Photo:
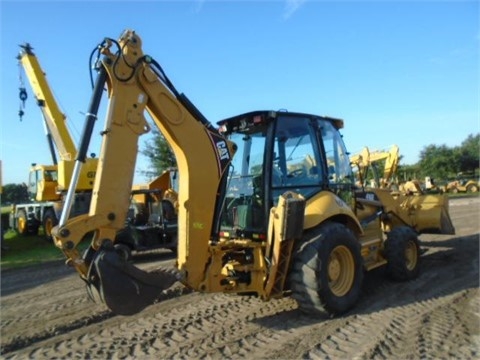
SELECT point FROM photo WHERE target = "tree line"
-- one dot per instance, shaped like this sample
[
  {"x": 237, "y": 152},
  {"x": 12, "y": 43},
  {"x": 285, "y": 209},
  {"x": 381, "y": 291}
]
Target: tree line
[{"x": 447, "y": 163}]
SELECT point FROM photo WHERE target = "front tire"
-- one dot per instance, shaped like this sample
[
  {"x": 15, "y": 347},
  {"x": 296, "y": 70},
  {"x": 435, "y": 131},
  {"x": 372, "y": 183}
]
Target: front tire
[
  {"x": 327, "y": 271},
  {"x": 402, "y": 251},
  {"x": 49, "y": 222},
  {"x": 22, "y": 222},
  {"x": 26, "y": 226}
]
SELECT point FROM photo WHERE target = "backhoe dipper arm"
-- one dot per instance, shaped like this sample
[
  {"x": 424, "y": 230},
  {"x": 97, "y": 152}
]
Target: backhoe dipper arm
[{"x": 136, "y": 83}]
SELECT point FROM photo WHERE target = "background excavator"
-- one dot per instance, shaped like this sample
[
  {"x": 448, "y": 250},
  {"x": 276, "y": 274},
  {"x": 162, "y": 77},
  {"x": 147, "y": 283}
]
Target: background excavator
[
  {"x": 376, "y": 169},
  {"x": 266, "y": 202}
]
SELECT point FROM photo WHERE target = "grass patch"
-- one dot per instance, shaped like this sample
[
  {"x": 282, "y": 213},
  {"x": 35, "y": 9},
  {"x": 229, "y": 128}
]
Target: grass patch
[
  {"x": 463, "y": 194},
  {"x": 6, "y": 209},
  {"x": 23, "y": 251}
]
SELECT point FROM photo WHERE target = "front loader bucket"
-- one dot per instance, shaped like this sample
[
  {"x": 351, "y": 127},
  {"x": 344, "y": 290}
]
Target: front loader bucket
[
  {"x": 427, "y": 214},
  {"x": 431, "y": 214},
  {"x": 124, "y": 288}
]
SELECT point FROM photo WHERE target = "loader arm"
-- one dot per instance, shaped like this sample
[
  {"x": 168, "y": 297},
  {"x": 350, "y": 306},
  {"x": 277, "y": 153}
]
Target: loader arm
[{"x": 135, "y": 83}]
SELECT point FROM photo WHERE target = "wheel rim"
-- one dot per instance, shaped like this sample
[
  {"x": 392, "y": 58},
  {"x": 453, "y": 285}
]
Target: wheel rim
[
  {"x": 411, "y": 255},
  {"x": 22, "y": 224},
  {"x": 341, "y": 270},
  {"x": 48, "y": 226}
]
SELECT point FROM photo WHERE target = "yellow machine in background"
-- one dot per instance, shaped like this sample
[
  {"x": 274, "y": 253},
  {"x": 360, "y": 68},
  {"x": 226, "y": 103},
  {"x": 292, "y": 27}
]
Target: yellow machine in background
[
  {"x": 56, "y": 127},
  {"x": 456, "y": 186},
  {"x": 266, "y": 202},
  {"x": 368, "y": 165},
  {"x": 152, "y": 217},
  {"x": 48, "y": 184}
]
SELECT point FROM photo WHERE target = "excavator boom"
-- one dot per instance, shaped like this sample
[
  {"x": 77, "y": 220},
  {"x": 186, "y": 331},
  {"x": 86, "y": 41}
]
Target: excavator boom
[{"x": 367, "y": 159}]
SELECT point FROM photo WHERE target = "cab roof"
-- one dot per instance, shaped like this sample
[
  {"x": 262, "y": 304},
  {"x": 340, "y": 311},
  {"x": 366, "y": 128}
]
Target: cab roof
[{"x": 337, "y": 123}]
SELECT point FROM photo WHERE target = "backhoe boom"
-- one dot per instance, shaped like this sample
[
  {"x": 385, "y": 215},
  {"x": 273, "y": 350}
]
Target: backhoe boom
[{"x": 198, "y": 150}]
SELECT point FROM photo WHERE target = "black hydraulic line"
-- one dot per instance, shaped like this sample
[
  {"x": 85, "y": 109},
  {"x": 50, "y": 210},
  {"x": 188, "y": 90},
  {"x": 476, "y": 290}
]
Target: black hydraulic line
[
  {"x": 195, "y": 112},
  {"x": 92, "y": 114}
]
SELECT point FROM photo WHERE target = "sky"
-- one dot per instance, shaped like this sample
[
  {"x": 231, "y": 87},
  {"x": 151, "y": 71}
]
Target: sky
[{"x": 397, "y": 72}]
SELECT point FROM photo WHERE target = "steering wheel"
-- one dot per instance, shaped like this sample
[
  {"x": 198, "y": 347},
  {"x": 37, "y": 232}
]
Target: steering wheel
[{"x": 296, "y": 173}]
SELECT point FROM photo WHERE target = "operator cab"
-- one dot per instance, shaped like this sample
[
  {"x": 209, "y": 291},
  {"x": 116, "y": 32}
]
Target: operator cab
[
  {"x": 279, "y": 151},
  {"x": 43, "y": 182}
]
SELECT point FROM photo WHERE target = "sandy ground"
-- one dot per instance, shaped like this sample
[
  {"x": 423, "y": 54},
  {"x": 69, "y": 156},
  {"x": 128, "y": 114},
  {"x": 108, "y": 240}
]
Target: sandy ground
[{"x": 45, "y": 314}]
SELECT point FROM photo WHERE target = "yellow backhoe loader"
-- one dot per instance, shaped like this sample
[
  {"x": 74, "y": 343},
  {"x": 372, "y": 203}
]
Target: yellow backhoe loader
[{"x": 266, "y": 200}]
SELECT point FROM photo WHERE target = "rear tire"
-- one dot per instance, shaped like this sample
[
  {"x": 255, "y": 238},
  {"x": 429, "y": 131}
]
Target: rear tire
[
  {"x": 402, "y": 251},
  {"x": 327, "y": 271},
  {"x": 22, "y": 221},
  {"x": 26, "y": 226},
  {"x": 49, "y": 221}
]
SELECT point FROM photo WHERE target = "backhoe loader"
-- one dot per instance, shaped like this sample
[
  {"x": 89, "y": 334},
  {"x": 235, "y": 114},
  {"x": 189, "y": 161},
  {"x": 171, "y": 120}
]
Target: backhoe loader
[{"x": 267, "y": 203}]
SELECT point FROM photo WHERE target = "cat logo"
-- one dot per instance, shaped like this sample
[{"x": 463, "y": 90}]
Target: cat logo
[{"x": 222, "y": 150}]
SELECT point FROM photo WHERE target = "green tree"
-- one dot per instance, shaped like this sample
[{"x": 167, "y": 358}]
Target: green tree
[
  {"x": 437, "y": 161},
  {"x": 468, "y": 154},
  {"x": 14, "y": 194},
  {"x": 406, "y": 172},
  {"x": 159, "y": 154}
]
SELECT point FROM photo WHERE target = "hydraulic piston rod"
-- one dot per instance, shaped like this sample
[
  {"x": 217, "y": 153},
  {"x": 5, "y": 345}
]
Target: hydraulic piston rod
[{"x": 90, "y": 119}]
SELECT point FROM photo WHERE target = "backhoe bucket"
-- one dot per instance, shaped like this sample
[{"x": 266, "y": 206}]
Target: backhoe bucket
[{"x": 124, "y": 288}]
